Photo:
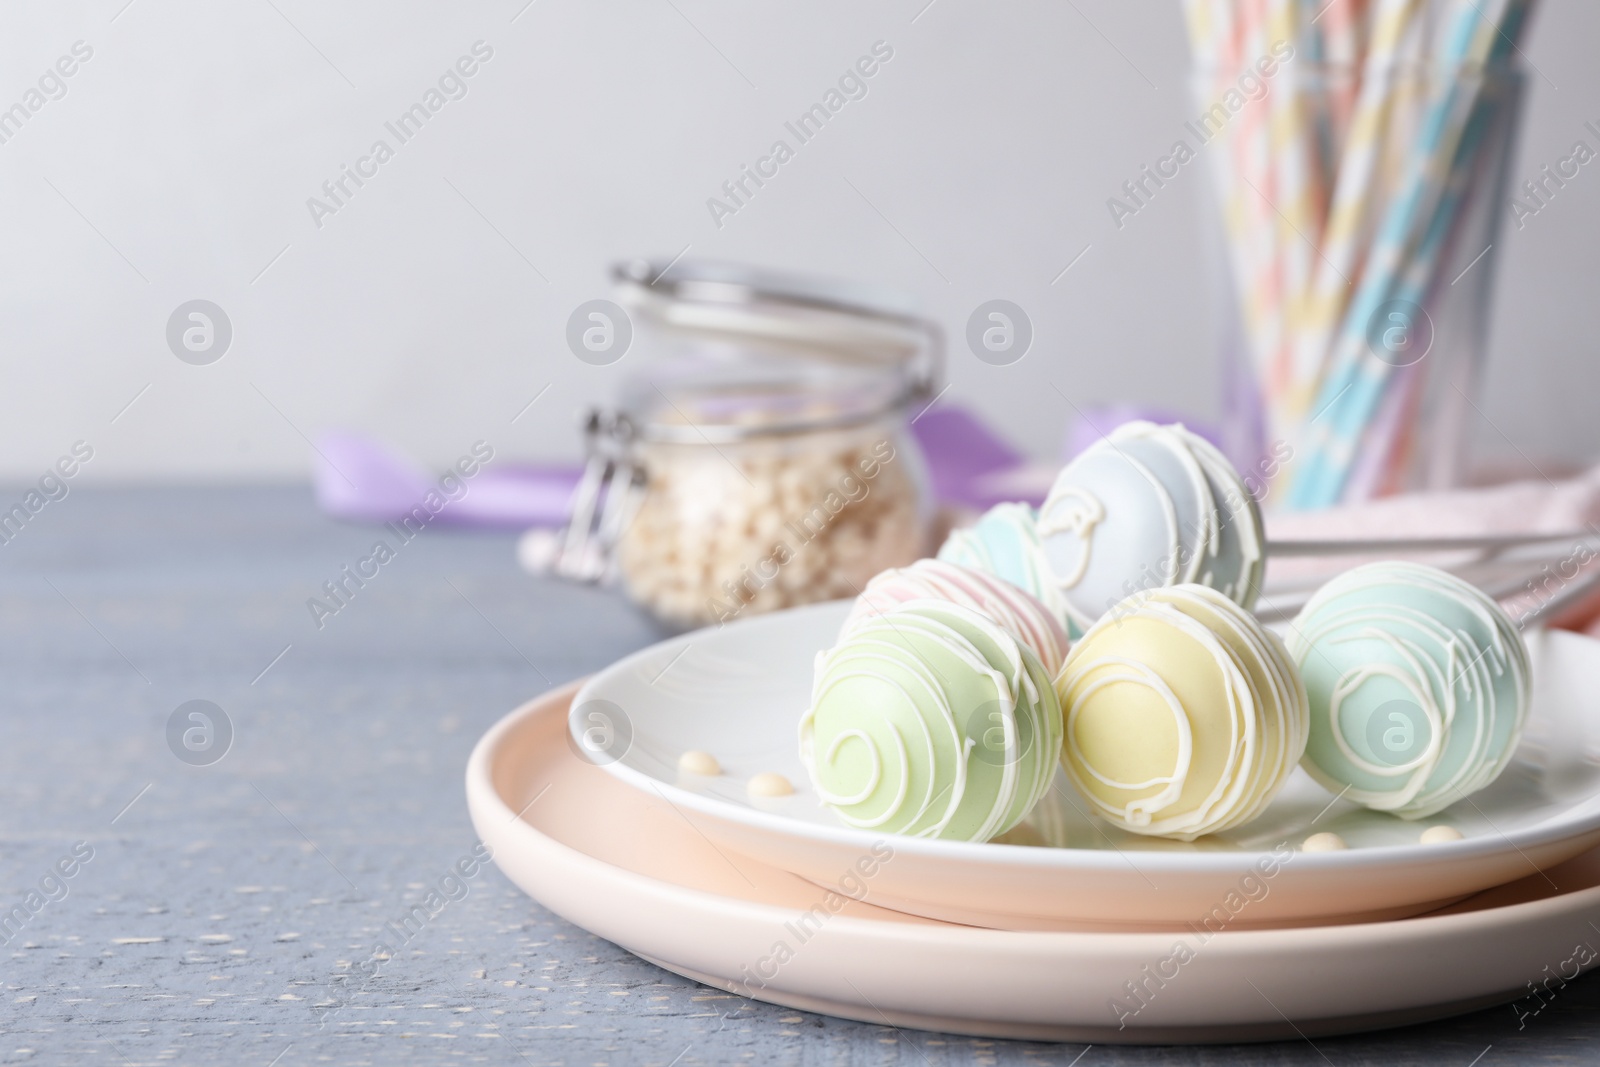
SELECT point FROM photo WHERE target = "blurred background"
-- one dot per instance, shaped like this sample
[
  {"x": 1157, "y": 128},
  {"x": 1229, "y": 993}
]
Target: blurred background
[{"x": 431, "y": 306}]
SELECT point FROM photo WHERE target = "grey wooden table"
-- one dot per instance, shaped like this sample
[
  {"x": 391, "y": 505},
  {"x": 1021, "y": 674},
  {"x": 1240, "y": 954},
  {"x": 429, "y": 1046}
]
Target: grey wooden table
[{"x": 222, "y": 902}]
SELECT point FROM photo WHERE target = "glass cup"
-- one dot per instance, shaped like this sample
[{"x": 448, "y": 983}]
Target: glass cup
[{"x": 1358, "y": 223}]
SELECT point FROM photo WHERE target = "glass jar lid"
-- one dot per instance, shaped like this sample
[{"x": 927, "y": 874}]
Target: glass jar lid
[{"x": 758, "y": 353}]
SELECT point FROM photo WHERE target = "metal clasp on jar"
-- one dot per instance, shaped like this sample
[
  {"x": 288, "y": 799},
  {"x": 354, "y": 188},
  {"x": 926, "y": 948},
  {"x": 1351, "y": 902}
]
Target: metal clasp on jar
[{"x": 605, "y": 499}]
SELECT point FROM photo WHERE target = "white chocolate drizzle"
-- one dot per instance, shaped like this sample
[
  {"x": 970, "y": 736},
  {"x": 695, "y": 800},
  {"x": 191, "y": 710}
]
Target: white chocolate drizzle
[
  {"x": 1451, "y": 650},
  {"x": 1015, "y": 609},
  {"x": 1265, "y": 703},
  {"x": 1077, "y": 511},
  {"x": 1203, "y": 525},
  {"x": 1005, "y": 543},
  {"x": 887, "y": 648}
]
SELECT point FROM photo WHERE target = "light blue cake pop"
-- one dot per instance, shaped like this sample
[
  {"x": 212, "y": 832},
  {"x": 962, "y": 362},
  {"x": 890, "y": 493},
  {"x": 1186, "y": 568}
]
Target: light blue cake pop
[
  {"x": 1004, "y": 543},
  {"x": 1144, "y": 508},
  {"x": 1418, "y": 683}
]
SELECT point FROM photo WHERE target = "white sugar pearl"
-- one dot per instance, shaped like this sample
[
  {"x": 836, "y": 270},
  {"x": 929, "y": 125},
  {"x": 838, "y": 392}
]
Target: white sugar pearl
[
  {"x": 695, "y": 761},
  {"x": 1324, "y": 842},
  {"x": 769, "y": 784},
  {"x": 702, "y": 523}
]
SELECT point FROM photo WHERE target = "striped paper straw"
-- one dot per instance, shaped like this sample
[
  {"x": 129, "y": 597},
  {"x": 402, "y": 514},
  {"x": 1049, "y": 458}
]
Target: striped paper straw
[
  {"x": 1418, "y": 283},
  {"x": 1387, "y": 443},
  {"x": 1255, "y": 195},
  {"x": 1394, "y": 24},
  {"x": 1296, "y": 219},
  {"x": 1218, "y": 31},
  {"x": 1353, "y": 389},
  {"x": 1337, "y": 27}
]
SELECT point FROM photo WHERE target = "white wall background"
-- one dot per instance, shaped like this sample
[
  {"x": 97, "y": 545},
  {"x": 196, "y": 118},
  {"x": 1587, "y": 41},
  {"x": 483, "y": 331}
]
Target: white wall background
[{"x": 179, "y": 162}]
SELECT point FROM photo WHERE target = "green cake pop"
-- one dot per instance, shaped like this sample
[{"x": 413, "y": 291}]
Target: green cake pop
[{"x": 933, "y": 721}]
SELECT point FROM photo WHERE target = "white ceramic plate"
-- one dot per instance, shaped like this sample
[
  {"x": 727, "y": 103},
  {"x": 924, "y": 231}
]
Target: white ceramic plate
[
  {"x": 628, "y": 866},
  {"x": 738, "y": 692}
]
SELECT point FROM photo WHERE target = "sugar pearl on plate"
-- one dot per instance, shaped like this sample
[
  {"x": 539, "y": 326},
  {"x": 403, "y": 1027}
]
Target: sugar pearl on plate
[
  {"x": 1145, "y": 507},
  {"x": 1183, "y": 715},
  {"x": 1419, "y": 687},
  {"x": 695, "y": 761},
  {"x": 1439, "y": 835},
  {"x": 931, "y": 720},
  {"x": 769, "y": 784},
  {"x": 1324, "y": 842},
  {"x": 1003, "y": 542},
  {"x": 1020, "y": 613}
]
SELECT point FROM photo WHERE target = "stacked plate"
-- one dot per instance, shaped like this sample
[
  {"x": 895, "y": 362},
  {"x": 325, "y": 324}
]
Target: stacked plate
[{"x": 1066, "y": 928}]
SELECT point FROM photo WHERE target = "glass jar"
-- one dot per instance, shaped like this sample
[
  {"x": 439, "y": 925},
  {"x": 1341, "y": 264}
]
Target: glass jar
[{"x": 762, "y": 457}]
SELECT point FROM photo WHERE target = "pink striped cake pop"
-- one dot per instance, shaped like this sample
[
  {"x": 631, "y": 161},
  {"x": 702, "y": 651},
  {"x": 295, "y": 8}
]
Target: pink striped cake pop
[{"x": 1015, "y": 610}]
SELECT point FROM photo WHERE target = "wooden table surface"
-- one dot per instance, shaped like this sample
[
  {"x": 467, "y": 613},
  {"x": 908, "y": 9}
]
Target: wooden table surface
[{"x": 222, "y": 902}]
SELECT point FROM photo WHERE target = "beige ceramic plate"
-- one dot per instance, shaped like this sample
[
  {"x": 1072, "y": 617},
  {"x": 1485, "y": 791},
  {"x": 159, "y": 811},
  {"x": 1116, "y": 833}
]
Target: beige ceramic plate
[
  {"x": 738, "y": 692},
  {"x": 638, "y": 871}
]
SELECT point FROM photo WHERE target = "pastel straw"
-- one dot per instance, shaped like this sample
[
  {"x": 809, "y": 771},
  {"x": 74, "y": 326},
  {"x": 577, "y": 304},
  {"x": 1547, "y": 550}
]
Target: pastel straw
[
  {"x": 1241, "y": 162},
  {"x": 1391, "y": 429},
  {"x": 1352, "y": 390},
  {"x": 1297, "y": 217},
  {"x": 1394, "y": 23},
  {"x": 1251, "y": 141},
  {"x": 1350, "y": 184},
  {"x": 1387, "y": 432},
  {"x": 1339, "y": 31}
]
